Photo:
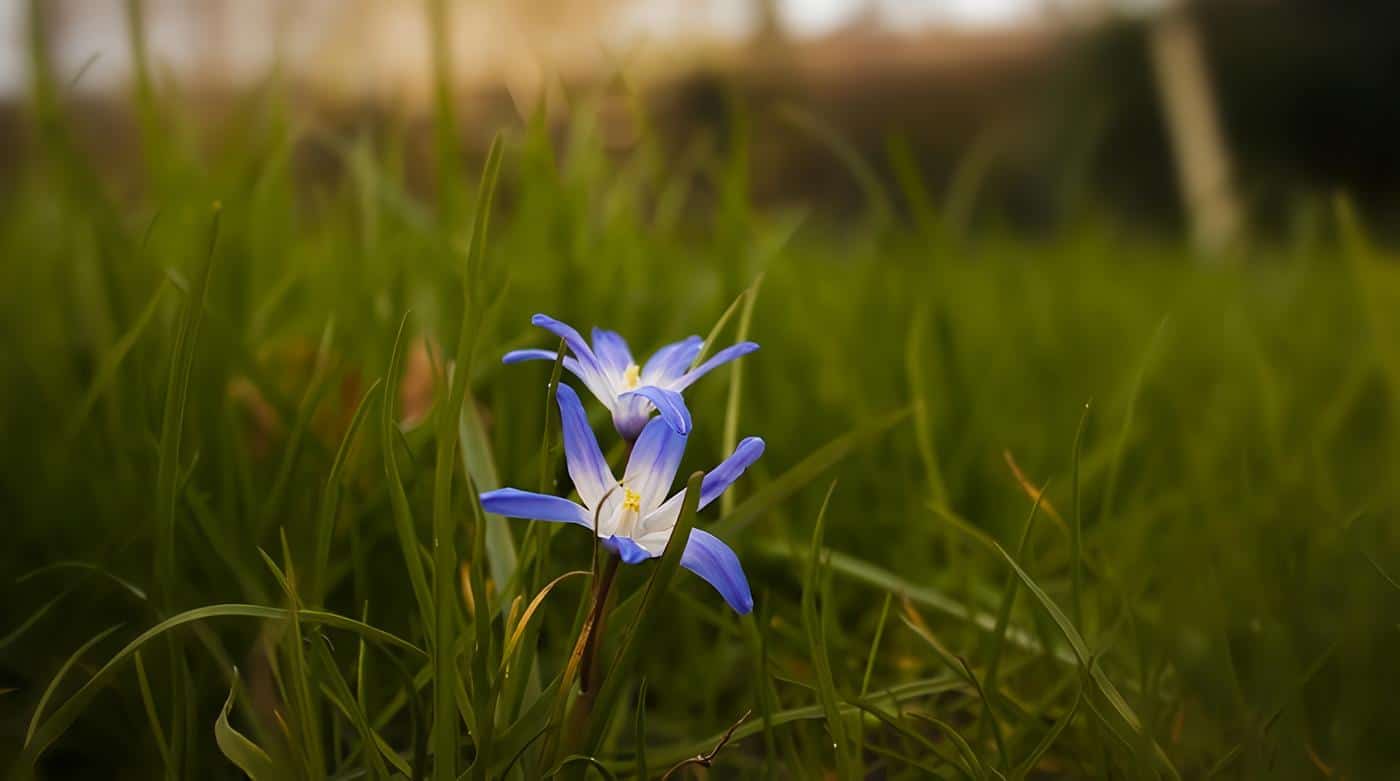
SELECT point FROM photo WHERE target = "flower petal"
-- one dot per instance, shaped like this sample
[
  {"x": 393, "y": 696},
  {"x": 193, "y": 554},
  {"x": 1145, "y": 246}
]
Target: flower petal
[
  {"x": 517, "y": 356},
  {"x": 667, "y": 364},
  {"x": 717, "y": 360},
  {"x": 590, "y": 370},
  {"x": 626, "y": 549},
  {"x": 653, "y": 463},
  {"x": 668, "y": 402},
  {"x": 612, "y": 350},
  {"x": 707, "y": 556},
  {"x": 587, "y": 467},
  {"x": 514, "y": 503},
  {"x": 714, "y": 484}
]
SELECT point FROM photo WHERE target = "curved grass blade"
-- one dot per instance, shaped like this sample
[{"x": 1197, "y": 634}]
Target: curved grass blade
[
  {"x": 112, "y": 361},
  {"x": 731, "y": 407},
  {"x": 247, "y": 755},
  {"x": 398, "y": 498},
  {"x": 58, "y": 678},
  {"x": 330, "y": 498},
  {"x": 813, "y": 620},
  {"x": 1028, "y": 764}
]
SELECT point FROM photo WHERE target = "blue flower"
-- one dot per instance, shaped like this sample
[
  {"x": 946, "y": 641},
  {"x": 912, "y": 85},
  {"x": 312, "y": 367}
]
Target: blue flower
[
  {"x": 630, "y": 391},
  {"x": 634, "y": 516}
]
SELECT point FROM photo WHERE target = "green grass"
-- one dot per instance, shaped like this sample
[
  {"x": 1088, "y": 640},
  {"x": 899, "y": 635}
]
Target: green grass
[{"x": 225, "y": 548}]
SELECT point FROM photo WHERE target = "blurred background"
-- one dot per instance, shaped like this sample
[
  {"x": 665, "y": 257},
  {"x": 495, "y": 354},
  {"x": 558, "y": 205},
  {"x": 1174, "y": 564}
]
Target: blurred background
[{"x": 1213, "y": 117}]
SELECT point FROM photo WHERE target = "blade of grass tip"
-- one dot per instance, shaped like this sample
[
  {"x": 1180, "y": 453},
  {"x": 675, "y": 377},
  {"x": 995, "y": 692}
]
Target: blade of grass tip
[
  {"x": 731, "y": 407},
  {"x": 656, "y": 589},
  {"x": 719, "y": 325},
  {"x": 350, "y": 706},
  {"x": 916, "y": 196},
  {"x": 1111, "y": 489},
  {"x": 291, "y": 448},
  {"x": 473, "y": 311},
  {"x": 238, "y": 749},
  {"x": 173, "y": 418},
  {"x": 398, "y": 499},
  {"x": 148, "y": 702},
  {"x": 1048, "y": 741},
  {"x": 330, "y": 498},
  {"x": 34, "y": 618},
  {"x": 804, "y": 472},
  {"x": 875, "y": 644},
  {"x": 1077, "y": 526},
  {"x": 42, "y": 736},
  {"x": 112, "y": 361},
  {"x": 996, "y": 639},
  {"x": 307, "y": 712},
  {"x": 59, "y": 676},
  {"x": 816, "y": 643},
  {"x": 639, "y": 730},
  {"x": 918, "y": 391}
]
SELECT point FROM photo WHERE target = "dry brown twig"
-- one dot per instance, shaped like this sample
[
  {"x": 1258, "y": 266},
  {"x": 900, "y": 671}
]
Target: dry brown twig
[{"x": 708, "y": 758}]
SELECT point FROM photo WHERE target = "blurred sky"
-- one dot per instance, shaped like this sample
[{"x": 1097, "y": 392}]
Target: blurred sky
[{"x": 95, "y": 28}]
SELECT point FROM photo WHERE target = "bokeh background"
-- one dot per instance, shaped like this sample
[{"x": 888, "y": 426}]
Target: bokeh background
[{"x": 1133, "y": 258}]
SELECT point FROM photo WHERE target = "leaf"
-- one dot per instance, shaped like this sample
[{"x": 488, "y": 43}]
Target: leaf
[{"x": 239, "y": 750}]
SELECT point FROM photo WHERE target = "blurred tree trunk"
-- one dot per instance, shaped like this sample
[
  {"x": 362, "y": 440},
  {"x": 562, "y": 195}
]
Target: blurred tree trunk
[{"x": 1201, "y": 156}]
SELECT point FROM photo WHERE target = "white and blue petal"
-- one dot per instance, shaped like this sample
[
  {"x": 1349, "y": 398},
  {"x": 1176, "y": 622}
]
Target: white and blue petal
[
  {"x": 652, "y": 466},
  {"x": 611, "y": 350},
  {"x": 707, "y": 556},
  {"x": 717, "y": 360},
  {"x": 587, "y": 467},
  {"x": 668, "y": 402},
  {"x": 514, "y": 503},
  {"x": 667, "y": 364},
  {"x": 590, "y": 370},
  {"x": 716, "y": 481},
  {"x": 626, "y": 549},
  {"x": 517, "y": 356}
]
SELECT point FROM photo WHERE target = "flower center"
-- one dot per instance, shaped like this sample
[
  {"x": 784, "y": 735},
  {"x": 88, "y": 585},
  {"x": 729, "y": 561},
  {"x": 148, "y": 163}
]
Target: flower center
[
  {"x": 632, "y": 376},
  {"x": 631, "y": 500}
]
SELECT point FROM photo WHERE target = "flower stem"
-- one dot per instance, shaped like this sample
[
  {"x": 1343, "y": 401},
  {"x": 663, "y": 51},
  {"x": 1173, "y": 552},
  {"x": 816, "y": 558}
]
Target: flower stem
[{"x": 596, "y": 622}]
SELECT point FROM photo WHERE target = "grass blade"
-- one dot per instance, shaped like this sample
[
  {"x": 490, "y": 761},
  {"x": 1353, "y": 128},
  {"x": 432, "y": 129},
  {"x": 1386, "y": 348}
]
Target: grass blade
[
  {"x": 813, "y": 620},
  {"x": 247, "y": 755}
]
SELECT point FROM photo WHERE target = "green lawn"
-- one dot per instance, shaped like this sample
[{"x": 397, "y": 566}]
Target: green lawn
[{"x": 1201, "y": 588}]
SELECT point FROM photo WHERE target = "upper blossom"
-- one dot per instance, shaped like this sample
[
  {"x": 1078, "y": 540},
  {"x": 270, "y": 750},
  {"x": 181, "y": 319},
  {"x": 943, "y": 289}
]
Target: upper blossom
[{"x": 630, "y": 391}]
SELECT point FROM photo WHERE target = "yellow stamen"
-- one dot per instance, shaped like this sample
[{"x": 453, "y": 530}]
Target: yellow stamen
[
  {"x": 632, "y": 376},
  {"x": 631, "y": 500}
]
